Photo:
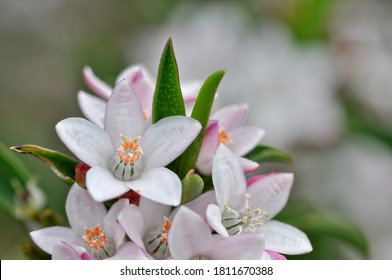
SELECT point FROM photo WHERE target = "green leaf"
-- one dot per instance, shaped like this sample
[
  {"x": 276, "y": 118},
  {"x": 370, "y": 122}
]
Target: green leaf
[
  {"x": 318, "y": 224},
  {"x": 192, "y": 186},
  {"x": 12, "y": 171},
  {"x": 62, "y": 165},
  {"x": 201, "y": 112},
  {"x": 168, "y": 99},
  {"x": 264, "y": 153}
]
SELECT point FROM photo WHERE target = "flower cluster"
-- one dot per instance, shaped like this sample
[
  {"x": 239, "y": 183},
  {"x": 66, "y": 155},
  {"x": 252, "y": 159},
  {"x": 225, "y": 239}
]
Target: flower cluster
[{"x": 127, "y": 201}]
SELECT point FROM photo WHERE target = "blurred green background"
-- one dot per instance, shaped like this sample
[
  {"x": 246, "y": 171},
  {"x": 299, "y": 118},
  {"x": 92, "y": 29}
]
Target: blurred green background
[{"x": 317, "y": 75}]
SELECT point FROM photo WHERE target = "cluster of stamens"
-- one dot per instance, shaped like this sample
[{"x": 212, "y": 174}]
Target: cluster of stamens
[
  {"x": 127, "y": 163},
  {"x": 223, "y": 137},
  {"x": 95, "y": 237},
  {"x": 158, "y": 245},
  {"x": 245, "y": 220}
]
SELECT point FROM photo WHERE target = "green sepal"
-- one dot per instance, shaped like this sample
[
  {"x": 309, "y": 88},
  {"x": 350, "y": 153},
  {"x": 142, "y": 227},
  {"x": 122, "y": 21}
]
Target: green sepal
[
  {"x": 317, "y": 224},
  {"x": 168, "y": 100},
  {"x": 265, "y": 153},
  {"x": 201, "y": 112},
  {"x": 192, "y": 186},
  {"x": 62, "y": 165}
]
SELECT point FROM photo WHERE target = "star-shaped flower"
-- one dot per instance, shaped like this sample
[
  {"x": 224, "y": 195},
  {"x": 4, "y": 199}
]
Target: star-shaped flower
[
  {"x": 127, "y": 155},
  {"x": 249, "y": 209},
  {"x": 94, "y": 232},
  {"x": 227, "y": 127}
]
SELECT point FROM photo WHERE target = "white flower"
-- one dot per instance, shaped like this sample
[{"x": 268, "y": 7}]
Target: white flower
[
  {"x": 139, "y": 80},
  {"x": 227, "y": 127},
  {"x": 94, "y": 232},
  {"x": 126, "y": 155},
  {"x": 241, "y": 209}
]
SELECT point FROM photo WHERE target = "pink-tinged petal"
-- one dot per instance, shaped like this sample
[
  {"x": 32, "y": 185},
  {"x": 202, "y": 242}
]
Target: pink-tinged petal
[
  {"x": 153, "y": 212},
  {"x": 158, "y": 184},
  {"x": 271, "y": 193},
  {"x": 142, "y": 83},
  {"x": 167, "y": 139},
  {"x": 284, "y": 238},
  {"x": 86, "y": 140},
  {"x": 237, "y": 247},
  {"x": 228, "y": 178},
  {"x": 64, "y": 251},
  {"x": 248, "y": 165},
  {"x": 275, "y": 256},
  {"x": 95, "y": 84},
  {"x": 123, "y": 115},
  {"x": 102, "y": 186},
  {"x": 46, "y": 238},
  {"x": 129, "y": 251},
  {"x": 244, "y": 139},
  {"x": 232, "y": 116},
  {"x": 200, "y": 204},
  {"x": 112, "y": 228},
  {"x": 190, "y": 90},
  {"x": 214, "y": 219},
  {"x": 189, "y": 235},
  {"x": 208, "y": 148},
  {"x": 92, "y": 107},
  {"x": 132, "y": 221},
  {"x": 82, "y": 210}
]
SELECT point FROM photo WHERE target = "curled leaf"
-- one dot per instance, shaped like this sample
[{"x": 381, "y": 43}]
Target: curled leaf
[{"x": 62, "y": 165}]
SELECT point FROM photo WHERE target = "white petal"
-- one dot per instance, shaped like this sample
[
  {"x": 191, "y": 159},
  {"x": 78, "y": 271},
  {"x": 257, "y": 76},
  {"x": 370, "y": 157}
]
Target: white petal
[
  {"x": 165, "y": 140},
  {"x": 284, "y": 238},
  {"x": 244, "y": 139},
  {"x": 129, "y": 251},
  {"x": 102, "y": 186},
  {"x": 153, "y": 212},
  {"x": 158, "y": 184},
  {"x": 142, "y": 83},
  {"x": 270, "y": 192},
  {"x": 188, "y": 235},
  {"x": 232, "y": 116},
  {"x": 200, "y": 204},
  {"x": 86, "y": 140},
  {"x": 82, "y": 210},
  {"x": 92, "y": 107},
  {"x": 228, "y": 178},
  {"x": 95, "y": 84},
  {"x": 248, "y": 165},
  {"x": 132, "y": 221},
  {"x": 208, "y": 148},
  {"x": 237, "y": 247},
  {"x": 46, "y": 238},
  {"x": 123, "y": 115},
  {"x": 64, "y": 251},
  {"x": 112, "y": 228},
  {"x": 214, "y": 219}
]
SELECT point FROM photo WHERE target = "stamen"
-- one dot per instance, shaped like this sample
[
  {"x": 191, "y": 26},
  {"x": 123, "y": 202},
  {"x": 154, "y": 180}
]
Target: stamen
[
  {"x": 223, "y": 137},
  {"x": 127, "y": 164},
  {"x": 158, "y": 244},
  {"x": 95, "y": 237},
  {"x": 244, "y": 220}
]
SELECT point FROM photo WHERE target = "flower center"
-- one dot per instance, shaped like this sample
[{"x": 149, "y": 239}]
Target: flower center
[
  {"x": 127, "y": 162},
  {"x": 158, "y": 244},
  {"x": 223, "y": 137},
  {"x": 245, "y": 220},
  {"x": 95, "y": 237}
]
